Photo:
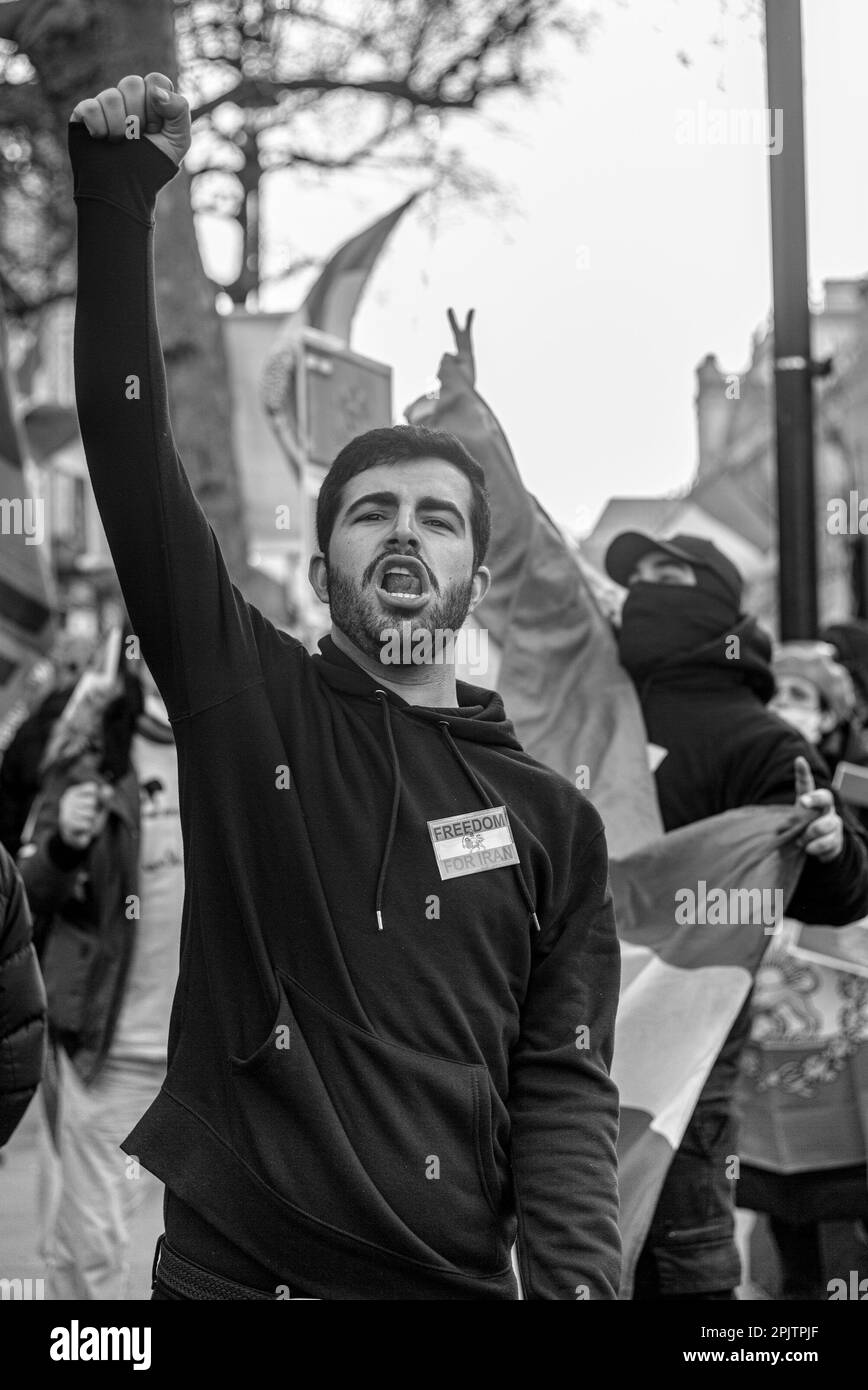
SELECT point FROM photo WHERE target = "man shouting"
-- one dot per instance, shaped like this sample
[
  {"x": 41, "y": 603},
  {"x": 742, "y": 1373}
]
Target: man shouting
[{"x": 390, "y": 1043}]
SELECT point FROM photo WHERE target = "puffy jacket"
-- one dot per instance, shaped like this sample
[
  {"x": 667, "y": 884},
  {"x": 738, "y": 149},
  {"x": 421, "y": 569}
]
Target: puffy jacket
[{"x": 22, "y": 1002}]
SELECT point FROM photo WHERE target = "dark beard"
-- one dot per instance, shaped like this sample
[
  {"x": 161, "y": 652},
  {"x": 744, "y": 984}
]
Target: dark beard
[{"x": 355, "y": 610}]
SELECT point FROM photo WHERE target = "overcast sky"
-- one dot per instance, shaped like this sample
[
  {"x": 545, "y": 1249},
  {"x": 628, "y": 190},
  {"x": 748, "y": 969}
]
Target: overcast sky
[{"x": 636, "y": 246}]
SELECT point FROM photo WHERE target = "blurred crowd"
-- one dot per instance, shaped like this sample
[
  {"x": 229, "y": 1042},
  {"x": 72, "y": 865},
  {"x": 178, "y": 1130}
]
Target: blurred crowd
[{"x": 91, "y": 872}]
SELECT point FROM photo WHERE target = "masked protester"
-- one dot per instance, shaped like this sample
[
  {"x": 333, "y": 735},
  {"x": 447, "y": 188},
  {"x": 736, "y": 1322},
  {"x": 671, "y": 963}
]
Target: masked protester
[
  {"x": 803, "y": 1149},
  {"x": 813, "y": 691},
  {"x": 849, "y": 643},
  {"x": 702, "y": 669},
  {"x": 398, "y": 935},
  {"x": 816, "y": 694}
]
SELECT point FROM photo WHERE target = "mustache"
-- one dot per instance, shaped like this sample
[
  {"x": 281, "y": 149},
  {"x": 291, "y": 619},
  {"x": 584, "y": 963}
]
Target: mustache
[{"x": 401, "y": 555}]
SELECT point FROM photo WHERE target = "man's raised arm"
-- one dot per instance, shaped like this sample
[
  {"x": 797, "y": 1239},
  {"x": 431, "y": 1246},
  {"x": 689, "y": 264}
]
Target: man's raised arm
[{"x": 194, "y": 627}]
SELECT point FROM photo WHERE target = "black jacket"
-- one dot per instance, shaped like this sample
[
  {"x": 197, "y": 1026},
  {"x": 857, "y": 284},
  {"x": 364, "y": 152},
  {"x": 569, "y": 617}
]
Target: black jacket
[
  {"x": 20, "y": 766},
  {"x": 368, "y": 1113},
  {"x": 724, "y": 749},
  {"x": 85, "y": 935},
  {"x": 22, "y": 1003}
]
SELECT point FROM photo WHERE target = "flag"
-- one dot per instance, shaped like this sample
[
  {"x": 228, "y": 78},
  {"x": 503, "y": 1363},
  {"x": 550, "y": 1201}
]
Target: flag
[
  {"x": 804, "y": 1085},
  {"x": 683, "y": 982},
  {"x": 78, "y": 729},
  {"x": 573, "y": 705},
  {"x": 26, "y": 586},
  {"x": 329, "y": 307},
  {"x": 332, "y": 302}
]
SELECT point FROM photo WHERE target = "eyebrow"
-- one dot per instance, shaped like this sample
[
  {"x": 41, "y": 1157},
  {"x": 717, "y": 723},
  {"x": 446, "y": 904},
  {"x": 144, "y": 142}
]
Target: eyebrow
[{"x": 389, "y": 499}]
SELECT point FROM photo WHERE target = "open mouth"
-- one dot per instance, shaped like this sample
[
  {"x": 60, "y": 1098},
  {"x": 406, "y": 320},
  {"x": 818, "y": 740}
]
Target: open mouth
[{"x": 402, "y": 582}]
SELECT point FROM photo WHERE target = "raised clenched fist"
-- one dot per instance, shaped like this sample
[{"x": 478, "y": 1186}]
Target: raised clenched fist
[{"x": 147, "y": 106}]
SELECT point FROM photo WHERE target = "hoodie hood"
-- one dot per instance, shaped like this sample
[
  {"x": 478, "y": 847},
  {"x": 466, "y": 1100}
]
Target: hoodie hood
[{"x": 479, "y": 716}]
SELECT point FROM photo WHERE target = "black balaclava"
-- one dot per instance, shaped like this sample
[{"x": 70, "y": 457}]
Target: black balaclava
[{"x": 660, "y": 622}]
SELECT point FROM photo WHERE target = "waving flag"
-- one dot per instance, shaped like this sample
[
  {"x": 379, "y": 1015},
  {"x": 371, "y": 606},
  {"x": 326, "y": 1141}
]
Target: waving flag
[
  {"x": 329, "y": 307},
  {"x": 682, "y": 985},
  {"x": 573, "y": 705},
  {"x": 332, "y": 302}
]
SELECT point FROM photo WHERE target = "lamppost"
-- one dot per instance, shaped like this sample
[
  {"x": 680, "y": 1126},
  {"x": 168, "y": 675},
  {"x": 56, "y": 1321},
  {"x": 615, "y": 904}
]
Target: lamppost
[{"x": 797, "y": 578}]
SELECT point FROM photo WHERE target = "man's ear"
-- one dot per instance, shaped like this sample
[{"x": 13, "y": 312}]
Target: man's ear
[
  {"x": 481, "y": 586},
  {"x": 317, "y": 573}
]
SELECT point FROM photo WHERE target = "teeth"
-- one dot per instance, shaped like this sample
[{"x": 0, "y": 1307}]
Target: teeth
[{"x": 400, "y": 572}]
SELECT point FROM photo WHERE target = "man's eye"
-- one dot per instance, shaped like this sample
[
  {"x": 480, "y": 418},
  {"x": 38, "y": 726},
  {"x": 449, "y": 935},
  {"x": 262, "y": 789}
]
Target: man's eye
[
  {"x": 438, "y": 521},
  {"x": 371, "y": 516}
]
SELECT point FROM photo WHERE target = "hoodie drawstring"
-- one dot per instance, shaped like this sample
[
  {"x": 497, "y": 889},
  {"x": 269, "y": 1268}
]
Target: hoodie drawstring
[
  {"x": 396, "y": 798},
  {"x": 484, "y": 797}
]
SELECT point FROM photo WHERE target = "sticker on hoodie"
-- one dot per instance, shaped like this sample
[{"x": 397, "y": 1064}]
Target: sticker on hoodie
[{"x": 473, "y": 842}]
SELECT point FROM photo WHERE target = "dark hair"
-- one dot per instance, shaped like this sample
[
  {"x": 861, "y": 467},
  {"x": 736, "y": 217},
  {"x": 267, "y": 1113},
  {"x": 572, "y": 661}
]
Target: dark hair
[{"x": 401, "y": 444}]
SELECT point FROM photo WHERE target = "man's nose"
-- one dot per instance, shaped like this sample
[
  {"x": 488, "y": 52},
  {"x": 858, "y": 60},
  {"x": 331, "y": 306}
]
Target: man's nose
[{"x": 403, "y": 532}]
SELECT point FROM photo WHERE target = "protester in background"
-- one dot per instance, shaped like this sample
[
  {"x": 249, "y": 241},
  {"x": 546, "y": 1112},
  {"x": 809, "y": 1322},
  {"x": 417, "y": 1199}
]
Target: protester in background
[
  {"x": 22, "y": 1003},
  {"x": 813, "y": 692},
  {"x": 816, "y": 694},
  {"x": 850, "y": 640},
  {"x": 803, "y": 1086},
  {"x": 702, "y": 670},
  {"x": 20, "y": 774},
  {"x": 104, "y": 870}
]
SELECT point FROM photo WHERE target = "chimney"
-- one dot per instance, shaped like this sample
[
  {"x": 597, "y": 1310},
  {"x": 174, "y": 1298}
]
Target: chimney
[
  {"x": 713, "y": 409},
  {"x": 841, "y": 320}
]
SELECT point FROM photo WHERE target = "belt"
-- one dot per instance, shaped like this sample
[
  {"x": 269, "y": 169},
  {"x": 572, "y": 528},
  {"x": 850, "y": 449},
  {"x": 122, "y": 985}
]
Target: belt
[{"x": 190, "y": 1280}]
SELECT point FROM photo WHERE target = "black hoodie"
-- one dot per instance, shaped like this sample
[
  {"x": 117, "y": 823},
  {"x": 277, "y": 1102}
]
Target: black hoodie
[
  {"x": 375, "y": 1075},
  {"x": 724, "y": 748}
]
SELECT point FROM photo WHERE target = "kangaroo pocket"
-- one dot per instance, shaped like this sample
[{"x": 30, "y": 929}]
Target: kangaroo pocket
[{"x": 380, "y": 1142}]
